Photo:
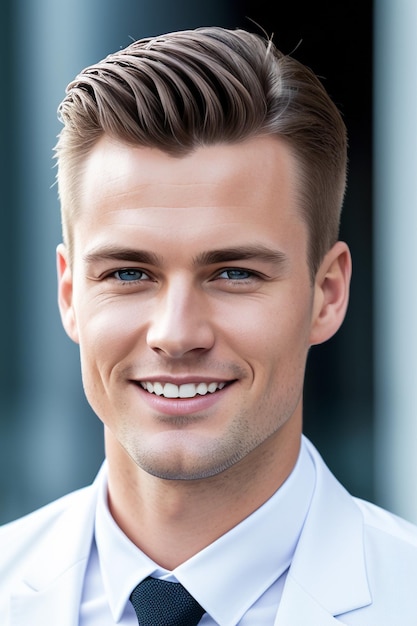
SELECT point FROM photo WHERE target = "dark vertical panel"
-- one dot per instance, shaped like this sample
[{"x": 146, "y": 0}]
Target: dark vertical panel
[
  {"x": 8, "y": 220},
  {"x": 335, "y": 40},
  {"x": 7, "y": 215}
]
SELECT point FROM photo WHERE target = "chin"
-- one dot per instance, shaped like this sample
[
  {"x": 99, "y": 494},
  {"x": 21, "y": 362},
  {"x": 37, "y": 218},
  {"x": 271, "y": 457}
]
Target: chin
[{"x": 180, "y": 466}]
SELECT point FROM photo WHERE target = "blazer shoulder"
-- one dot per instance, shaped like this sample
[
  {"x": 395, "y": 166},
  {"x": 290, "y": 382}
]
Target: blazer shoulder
[
  {"x": 387, "y": 525},
  {"x": 20, "y": 538},
  {"x": 41, "y": 518}
]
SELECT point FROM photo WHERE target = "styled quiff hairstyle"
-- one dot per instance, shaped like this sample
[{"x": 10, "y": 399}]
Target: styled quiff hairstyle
[{"x": 193, "y": 88}]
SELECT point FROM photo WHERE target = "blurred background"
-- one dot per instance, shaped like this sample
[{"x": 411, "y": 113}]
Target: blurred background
[{"x": 361, "y": 392}]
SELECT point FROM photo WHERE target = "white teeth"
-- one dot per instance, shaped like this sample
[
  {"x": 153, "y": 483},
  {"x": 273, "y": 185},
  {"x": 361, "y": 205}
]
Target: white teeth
[
  {"x": 158, "y": 389},
  {"x": 170, "y": 390},
  {"x": 188, "y": 390},
  {"x": 201, "y": 389}
]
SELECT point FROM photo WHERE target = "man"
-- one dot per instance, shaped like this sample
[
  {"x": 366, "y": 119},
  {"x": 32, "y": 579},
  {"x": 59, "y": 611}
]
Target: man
[{"x": 201, "y": 176}]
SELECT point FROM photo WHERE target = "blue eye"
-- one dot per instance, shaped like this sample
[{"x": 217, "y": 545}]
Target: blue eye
[
  {"x": 129, "y": 275},
  {"x": 236, "y": 274}
]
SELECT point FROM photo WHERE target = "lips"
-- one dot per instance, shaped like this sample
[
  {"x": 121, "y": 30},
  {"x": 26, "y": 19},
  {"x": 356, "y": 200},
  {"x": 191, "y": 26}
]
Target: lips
[{"x": 186, "y": 390}]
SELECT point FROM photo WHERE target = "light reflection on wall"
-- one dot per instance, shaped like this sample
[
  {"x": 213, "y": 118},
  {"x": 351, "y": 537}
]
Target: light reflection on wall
[{"x": 395, "y": 228}]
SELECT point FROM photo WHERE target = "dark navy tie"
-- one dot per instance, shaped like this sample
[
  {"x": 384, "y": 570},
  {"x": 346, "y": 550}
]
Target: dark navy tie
[{"x": 163, "y": 603}]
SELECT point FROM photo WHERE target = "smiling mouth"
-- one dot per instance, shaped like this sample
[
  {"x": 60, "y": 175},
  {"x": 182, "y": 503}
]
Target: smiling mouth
[{"x": 187, "y": 390}]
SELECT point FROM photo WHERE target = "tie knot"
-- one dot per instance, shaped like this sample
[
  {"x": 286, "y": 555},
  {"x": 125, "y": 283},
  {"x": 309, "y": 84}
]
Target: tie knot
[{"x": 163, "y": 603}]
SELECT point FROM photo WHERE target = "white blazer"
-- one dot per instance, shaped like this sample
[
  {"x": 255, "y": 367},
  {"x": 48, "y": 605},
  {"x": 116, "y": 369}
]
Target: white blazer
[{"x": 354, "y": 564}]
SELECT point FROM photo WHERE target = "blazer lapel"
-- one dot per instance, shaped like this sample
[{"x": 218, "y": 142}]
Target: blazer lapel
[
  {"x": 58, "y": 603},
  {"x": 298, "y": 608},
  {"x": 327, "y": 577},
  {"x": 50, "y": 590}
]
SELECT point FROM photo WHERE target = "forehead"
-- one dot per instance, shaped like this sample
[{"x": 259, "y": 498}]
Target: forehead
[{"x": 224, "y": 190}]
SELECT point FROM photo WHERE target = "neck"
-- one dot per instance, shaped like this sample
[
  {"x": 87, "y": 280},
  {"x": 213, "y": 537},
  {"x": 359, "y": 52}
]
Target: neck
[{"x": 172, "y": 520}]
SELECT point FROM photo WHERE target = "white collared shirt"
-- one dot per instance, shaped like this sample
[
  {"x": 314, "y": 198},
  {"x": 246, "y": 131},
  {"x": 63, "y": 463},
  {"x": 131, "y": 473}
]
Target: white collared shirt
[{"x": 238, "y": 579}]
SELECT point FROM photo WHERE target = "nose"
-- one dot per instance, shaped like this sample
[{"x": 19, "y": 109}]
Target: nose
[{"x": 180, "y": 322}]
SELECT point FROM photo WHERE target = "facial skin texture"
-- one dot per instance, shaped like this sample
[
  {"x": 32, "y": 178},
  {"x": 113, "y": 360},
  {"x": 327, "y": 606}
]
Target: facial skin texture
[{"x": 221, "y": 292}]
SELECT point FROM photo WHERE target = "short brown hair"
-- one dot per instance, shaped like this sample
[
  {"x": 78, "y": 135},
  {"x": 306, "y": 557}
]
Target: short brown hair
[{"x": 198, "y": 87}]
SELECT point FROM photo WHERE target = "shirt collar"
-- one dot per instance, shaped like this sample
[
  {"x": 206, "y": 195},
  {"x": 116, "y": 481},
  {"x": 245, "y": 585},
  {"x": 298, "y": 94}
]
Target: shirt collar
[{"x": 229, "y": 575}]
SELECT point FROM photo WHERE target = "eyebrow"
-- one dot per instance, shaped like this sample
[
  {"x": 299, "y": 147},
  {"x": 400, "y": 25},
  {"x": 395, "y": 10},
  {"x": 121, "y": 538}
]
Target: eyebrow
[
  {"x": 241, "y": 253},
  {"x": 210, "y": 257},
  {"x": 116, "y": 253}
]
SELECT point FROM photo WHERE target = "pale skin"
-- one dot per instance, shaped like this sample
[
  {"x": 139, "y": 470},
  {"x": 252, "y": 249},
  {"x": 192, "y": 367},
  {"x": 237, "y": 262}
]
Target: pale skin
[{"x": 193, "y": 271}]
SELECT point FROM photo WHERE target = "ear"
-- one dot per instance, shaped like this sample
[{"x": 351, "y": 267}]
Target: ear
[
  {"x": 331, "y": 293},
  {"x": 65, "y": 293}
]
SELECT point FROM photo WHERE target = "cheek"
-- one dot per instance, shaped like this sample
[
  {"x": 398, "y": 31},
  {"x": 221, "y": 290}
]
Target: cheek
[
  {"x": 280, "y": 369},
  {"x": 103, "y": 347},
  {"x": 108, "y": 326},
  {"x": 270, "y": 334},
  {"x": 107, "y": 336}
]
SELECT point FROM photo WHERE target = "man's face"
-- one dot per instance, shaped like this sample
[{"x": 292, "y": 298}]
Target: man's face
[{"x": 190, "y": 297}]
